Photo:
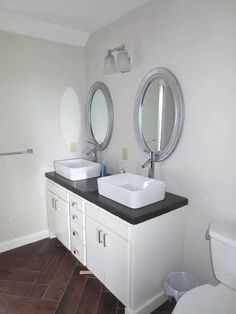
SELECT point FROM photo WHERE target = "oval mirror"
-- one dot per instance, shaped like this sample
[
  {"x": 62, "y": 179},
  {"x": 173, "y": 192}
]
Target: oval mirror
[
  {"x": 158, "y": 113},
  {"x": 99, "y": 115}
]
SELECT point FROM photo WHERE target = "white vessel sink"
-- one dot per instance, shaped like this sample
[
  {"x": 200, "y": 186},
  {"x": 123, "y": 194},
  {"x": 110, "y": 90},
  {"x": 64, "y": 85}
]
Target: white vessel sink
[
  {"x": 77, "y": 169},
  {"x": 131, "y": 190}
]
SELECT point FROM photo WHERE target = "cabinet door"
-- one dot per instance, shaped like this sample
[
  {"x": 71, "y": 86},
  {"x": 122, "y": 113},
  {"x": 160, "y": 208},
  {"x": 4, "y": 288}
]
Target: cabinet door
[
  {"x": 51, "y": 213},
  {"x": 95, "y": 250},
  {"x": 107, "y": 258},
  {"x": 62, "y": 221},
  {"x": 116, "y": 264}
]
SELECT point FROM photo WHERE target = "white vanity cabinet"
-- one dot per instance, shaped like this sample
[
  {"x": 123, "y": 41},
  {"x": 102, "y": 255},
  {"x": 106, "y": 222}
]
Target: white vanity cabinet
[
  {"x": 131, "y": 260},
  {"x": 58, "y": 213}
]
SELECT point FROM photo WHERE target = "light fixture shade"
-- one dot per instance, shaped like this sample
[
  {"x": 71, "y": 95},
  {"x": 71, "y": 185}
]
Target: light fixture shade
[
  {"x": 123, "y": 61},
  {"x": 109, "y": 63}
]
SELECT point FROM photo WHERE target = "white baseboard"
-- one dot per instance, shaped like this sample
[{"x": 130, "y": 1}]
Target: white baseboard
[
  {"x": 17, "y": 242},
  {"x": 149, "y": 306}
]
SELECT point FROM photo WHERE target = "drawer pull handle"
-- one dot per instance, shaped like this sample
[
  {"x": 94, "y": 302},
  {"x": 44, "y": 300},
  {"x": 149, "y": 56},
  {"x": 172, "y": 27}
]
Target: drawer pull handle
[
  {"x": 74, "y": 204},
  {"x": 104, "y": 240},
  {"x": 100, "y": 236},
  {"x": 53, "y": 202},
  {"x": 74, "y": 217},
  {"x": 56, "y": 201}
]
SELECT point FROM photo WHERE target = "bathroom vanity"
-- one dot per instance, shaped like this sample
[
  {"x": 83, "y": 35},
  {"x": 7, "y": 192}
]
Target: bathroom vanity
[{"x": 129, "y": 250}]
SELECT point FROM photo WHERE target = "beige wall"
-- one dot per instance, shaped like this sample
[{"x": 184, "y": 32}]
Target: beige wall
[
  {"x": 34, "y": 73},
  {"x": 196, "y": 41}
]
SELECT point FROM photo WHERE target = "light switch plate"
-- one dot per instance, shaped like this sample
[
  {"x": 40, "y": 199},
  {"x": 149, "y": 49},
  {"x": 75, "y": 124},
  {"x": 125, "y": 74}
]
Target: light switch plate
[
  {"x": 125, "y": 153},
  {"x": 72, "y": 147}
]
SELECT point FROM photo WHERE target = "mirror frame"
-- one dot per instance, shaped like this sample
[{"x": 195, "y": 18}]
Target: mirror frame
[
  {"x": 172, "y": 82},
  {"x": 107, "y": 95}
]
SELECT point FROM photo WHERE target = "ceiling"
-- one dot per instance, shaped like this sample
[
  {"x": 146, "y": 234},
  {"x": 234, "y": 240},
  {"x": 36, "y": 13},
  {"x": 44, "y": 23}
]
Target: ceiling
[{"x": 83, "y": 15}]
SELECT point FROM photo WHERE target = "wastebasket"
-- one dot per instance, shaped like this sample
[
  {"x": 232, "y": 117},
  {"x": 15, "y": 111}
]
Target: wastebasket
[{"x": 177, "y": 283}]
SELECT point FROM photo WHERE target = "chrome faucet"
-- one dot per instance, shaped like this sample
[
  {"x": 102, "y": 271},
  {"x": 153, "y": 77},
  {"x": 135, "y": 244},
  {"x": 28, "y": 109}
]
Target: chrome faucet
[
  {"x": 151, "y": 162},
  {"x": 93, "y": 151}
]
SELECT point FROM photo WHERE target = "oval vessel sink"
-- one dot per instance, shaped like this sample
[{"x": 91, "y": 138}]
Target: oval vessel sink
[
  {"x": 77, "y": 169},
  {"x": 131, "y": 190}
]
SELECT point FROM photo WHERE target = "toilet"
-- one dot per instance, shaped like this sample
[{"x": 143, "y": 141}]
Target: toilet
[{"x": 208, "y": 299}]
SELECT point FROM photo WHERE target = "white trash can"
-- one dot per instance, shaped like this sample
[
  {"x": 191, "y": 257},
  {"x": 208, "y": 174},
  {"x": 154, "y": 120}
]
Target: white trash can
[{"x": 177, "y": 283}]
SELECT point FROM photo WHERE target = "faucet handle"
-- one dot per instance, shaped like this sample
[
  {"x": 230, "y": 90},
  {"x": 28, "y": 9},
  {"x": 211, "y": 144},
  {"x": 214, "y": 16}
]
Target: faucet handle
[{"x": 150, "y": 153}]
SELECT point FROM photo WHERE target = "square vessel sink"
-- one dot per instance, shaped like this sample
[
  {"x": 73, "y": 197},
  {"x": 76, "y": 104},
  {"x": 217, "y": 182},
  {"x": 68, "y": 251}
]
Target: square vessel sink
[
  {"x": 131, "y": 190},
  {"x": 77, "y": 169}
]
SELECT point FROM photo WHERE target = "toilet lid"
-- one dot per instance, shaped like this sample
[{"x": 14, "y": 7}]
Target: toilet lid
[{"x": 207, "y": 299}]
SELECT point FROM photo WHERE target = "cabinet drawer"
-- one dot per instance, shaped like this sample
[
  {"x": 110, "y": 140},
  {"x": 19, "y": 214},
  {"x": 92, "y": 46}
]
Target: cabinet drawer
[
  {"x": 76, "y": 202},
  {"x": 107, "y": 219},
  {"x": 56, "y": 189},
  {"x": 77, "y": 217},
  {"x": 79, "y": 252},
  {"x": 77, "y": 234}
]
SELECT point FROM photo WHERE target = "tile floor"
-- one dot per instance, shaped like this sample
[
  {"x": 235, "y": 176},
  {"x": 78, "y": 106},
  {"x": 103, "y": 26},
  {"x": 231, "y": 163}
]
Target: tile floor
[{"x": 44, "y": 277}]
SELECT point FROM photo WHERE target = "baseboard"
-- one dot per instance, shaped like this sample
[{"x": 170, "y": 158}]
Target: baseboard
[
  {"x": 149, "y": 306},
  {"x": 17, "y": 242}
]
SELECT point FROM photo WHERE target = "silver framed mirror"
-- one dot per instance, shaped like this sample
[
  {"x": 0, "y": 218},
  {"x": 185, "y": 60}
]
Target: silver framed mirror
[
  {"x": 99, "y": 115},
  {"x": 158, "y": 113}
]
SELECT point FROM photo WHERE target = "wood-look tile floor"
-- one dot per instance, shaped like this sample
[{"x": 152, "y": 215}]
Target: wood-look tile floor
[{"x": 44, "y": 277}]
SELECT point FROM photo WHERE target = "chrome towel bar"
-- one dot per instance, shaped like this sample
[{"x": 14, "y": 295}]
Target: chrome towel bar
[{"x": 27, "y": 151}]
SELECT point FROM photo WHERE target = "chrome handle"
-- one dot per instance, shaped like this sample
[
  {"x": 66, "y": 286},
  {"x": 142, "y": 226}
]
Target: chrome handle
[
  {"x": 104, "y": 240},
  {"x": 74, "y": 217},
  {"x": 74, "y": 204},
  {"x": 100, "y": 236},
  {"x": 56, "y": 201},
  {"x": 53, "y": 202}
]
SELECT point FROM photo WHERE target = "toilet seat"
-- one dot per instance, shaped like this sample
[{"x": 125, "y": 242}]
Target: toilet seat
[{"x": 207, "y": 299}]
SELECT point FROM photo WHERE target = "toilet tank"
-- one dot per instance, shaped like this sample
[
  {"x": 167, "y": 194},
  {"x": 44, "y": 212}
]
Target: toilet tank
[{"x": 223, "y": 251}]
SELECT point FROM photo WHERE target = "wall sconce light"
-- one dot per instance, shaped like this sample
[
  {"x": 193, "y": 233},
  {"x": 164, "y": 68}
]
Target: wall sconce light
[{"x": 122, "y": 64}]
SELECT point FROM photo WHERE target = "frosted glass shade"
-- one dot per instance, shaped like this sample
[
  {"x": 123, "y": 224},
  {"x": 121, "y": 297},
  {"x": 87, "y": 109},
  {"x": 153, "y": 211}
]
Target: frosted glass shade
[
  {"x": 123, "y": 62},
  {"x": 109, "y": 64}
]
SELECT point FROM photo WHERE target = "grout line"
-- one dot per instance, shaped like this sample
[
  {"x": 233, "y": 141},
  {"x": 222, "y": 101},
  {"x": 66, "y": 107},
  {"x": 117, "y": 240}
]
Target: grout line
[
  {"x": 99, "y": 297},
  {"x": 24, "y": 297},
  {"x": 49, "y": 257},
  {"x": 66, "y": 284},
  {"x": 62, "y": 261},
  {"x": 23, "y": 282},
  {"x": 76, "y": 308},
  {"x": 48, "y": 265}
]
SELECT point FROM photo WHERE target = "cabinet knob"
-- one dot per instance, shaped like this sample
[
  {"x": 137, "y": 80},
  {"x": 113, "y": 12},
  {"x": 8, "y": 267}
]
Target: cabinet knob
[
  {"x": 74, "y": 204},
  {"x": 74, "y": 217},
  {"x": 75, "y": 233},
  {"x": 75, "y": 252}
]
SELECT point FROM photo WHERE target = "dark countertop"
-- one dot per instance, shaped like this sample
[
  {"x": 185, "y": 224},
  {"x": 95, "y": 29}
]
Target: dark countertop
[{"x": 88, "y": 190}]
